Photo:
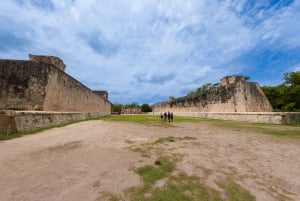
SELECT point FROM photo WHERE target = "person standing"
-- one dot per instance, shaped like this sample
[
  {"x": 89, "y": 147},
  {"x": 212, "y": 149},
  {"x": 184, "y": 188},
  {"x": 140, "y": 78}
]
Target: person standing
[{"x": 169, "y": 116}]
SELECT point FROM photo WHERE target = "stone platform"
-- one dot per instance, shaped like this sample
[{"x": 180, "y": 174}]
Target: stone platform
[{"x": 16, "y": 121}]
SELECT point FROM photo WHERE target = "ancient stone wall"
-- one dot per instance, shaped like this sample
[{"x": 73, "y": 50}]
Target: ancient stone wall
[
  {"x": 234, "y": 95},
  {"x": 36, "y": 85},
  {"x": 64, "y": 93},
  {"x": 258, "y": 117},
  {"x": 16, "y": 121},
  {"x": 22, "y": 85},
  {"x": 55, "y": 61}
]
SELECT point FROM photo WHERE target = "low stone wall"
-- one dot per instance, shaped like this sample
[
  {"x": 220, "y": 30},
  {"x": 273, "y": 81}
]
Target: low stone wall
[
  {"x": 15, "y": 121},
  {"x": 260, "y": 117}
]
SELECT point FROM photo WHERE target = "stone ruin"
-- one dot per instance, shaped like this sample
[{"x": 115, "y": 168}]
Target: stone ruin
[
  {"x": 234, "y": 94},
  {"x": 55, "y": 61},
  {"x": 37, "y": 93},
  {"x": 40, "y": 84}
]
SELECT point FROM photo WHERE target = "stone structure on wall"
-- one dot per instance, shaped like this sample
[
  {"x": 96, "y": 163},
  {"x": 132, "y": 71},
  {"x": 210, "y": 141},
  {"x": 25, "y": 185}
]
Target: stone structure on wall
[
  {"x": 40, "y": 84},
  {"x": 103, "y": 94},
  {"x": 131, "y": 110},
  {"x": 49, "y": 60},
  {"x": 234, "y": 94}
]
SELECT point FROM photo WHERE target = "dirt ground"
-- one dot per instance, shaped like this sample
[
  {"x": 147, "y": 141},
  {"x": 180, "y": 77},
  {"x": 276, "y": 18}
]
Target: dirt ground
[{"x": 83, "y": 160}]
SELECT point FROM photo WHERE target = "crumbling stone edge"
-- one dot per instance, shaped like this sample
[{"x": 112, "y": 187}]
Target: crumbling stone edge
[{"x": 18, "y": 121}]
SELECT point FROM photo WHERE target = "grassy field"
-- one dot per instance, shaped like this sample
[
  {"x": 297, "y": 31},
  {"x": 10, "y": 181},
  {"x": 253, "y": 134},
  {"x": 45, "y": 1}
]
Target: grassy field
[{"x": 154, "y": 120}]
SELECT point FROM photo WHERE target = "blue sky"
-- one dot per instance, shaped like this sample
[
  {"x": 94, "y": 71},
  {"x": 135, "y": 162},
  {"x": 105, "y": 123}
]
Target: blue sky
[{"x": 145, "y": 51}]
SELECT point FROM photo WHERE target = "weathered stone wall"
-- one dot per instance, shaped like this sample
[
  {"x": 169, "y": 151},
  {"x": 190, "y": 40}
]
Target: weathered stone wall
[
  {"x": 55, "y": 61},
  {"x": 234, "y": 95},
  {"x": 16, "y": 121},
  {"x": 64, "y": 93},
  {"x": 259, "y": 117},
  {"x": 22, "y": 85},
  {"x": 36, "y": 85}
]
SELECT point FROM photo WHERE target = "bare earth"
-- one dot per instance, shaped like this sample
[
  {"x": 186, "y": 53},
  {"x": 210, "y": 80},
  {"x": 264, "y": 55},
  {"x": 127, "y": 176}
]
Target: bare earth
[{"x": 83, "y": 160}]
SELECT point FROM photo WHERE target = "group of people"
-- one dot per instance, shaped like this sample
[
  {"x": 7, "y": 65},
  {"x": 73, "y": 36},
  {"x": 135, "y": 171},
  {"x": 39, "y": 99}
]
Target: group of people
[{"x": 166, "y": 115}]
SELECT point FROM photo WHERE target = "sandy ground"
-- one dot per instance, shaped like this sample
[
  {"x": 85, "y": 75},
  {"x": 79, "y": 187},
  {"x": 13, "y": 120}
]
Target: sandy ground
[{"x": 79, "y": 161}]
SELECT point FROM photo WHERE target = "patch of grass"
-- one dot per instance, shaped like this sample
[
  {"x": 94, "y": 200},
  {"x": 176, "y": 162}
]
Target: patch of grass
[
  {"x": 151, "y": 174},
  {"x": 177, "y": 188},
  {"x": 162, "y": 140},
  {"x": 234, "y": 191}
]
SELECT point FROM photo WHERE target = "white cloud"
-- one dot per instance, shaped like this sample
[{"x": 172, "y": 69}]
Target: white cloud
[{"x": 145, "y": 50}]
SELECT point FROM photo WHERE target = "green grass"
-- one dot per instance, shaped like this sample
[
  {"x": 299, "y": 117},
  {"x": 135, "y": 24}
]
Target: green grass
[
  {"x": 151, "y": 120},
  {"x": 235, "y": 192},
  {"x": 176, "y": 188},
  {"x": 152, "y": 173},
  {"x": 162, "y": 140},
  {"x": 154, "y": 120},
  {"x": 180, "y": 186}
]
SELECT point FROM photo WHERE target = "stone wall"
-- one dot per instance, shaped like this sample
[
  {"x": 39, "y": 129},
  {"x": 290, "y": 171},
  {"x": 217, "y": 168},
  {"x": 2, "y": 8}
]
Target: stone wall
[
  {"x": 40, "y": 86},
  {"x": 64, "y": 93},
  {"x": 16, "y": 121},
  {"x": 55, "y": 61},
  {"x": 259, "y": 117},
  {"x": 23, "y": 84},
  {"x": 234, "y": 95}
]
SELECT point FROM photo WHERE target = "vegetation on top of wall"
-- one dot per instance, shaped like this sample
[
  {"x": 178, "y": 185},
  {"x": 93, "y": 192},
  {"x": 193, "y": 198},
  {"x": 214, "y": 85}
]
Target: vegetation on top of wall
[
  {"x": 203, "y": 88},
  {"x": 286, "y": 96},
  {"x": 117, "y": 107}
]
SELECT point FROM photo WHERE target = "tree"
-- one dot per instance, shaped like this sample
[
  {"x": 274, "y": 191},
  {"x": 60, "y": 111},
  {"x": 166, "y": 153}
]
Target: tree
[
  {"x": 117, "y": 107},
  {"x": 292, "y": 78},
  {"x": 146, "y": 108},
  {"x": 133, "y": 105},
  {"x": 286, "y": 96}
]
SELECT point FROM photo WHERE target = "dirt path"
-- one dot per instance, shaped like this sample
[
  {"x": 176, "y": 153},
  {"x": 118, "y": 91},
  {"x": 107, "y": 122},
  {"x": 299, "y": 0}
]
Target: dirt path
[{"x": 83, "y": 160}]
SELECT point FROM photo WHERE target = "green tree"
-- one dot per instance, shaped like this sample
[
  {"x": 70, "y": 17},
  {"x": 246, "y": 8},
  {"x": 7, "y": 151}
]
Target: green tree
[
  {"x": 292, "y": 78},
  {"x": 133, "y": 105},
  {"x": 117, "y": 107},
  {"x": 146, "y": 108},
  {"x": 286, "y": 96}
]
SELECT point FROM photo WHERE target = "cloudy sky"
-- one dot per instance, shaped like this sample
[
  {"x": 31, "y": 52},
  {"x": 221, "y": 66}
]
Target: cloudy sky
[{"x": 147, "y": 50}]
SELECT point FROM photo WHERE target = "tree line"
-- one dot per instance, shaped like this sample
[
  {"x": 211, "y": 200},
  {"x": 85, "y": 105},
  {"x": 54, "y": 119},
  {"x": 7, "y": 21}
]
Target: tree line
[
  {"x": 117, "y": 107},
  {"x": 286, "y": 96}
]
